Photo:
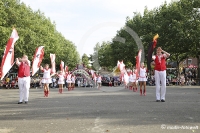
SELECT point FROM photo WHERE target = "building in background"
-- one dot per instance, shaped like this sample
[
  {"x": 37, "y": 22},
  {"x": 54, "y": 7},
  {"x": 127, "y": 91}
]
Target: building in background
[{"x": 189, "y": 63}]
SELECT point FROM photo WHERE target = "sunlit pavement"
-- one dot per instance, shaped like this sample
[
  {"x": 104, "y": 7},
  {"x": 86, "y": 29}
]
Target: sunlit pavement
[{"x": 108, "y": 110}]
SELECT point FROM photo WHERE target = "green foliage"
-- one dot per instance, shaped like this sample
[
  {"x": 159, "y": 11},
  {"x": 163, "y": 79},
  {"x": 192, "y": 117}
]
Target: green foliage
[
  {"x": 85, "y": 60},
  {"x": 177, "y": 23},
  {"x": 34, "y": 29},
  {"x": 104, "y": 54},
  {"x": 94, "y": 58}
]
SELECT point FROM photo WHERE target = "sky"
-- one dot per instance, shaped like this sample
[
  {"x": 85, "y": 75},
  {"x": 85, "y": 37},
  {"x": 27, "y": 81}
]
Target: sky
[{"x": 87, "y": 22}]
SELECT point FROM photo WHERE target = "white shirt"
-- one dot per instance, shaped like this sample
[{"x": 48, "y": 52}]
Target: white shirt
[
  {"x": 61, "y": 77},
  {"x": 69, "y": 77},
  {"x": 134, "y": 76},
  {"x": 99, "y": 79},
  {"x": 142, "y": 72},
  {"x": 46, "y": 73},
  {"x": 73, "y": 78},
  {"x": 131, "y": 78}
]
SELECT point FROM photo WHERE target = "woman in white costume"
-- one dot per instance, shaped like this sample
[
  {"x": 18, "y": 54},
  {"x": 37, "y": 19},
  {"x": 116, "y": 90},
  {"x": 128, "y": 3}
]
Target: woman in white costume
[
  {"x": 142, "y": 79},
  {"x": 126, "y": 79},
  {"x": 99, "y": 81},
  {"x": 130, "y": 81},
  {"x": 73, "y": 81},
  {"x": 95, "y": 79},
  {"x": 46, "y": 80},
  {"x": 69, "y": 81},
  {"x": 61, "y": 81}
]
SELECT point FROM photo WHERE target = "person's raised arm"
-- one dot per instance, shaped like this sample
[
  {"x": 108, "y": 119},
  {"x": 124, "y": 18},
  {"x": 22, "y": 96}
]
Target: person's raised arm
[
  {"x": 28, "y": 62},
  {"x": 41, "y": 68},
  {"x": 166, "y": 53},
  {"x": 17, "y": 61}
]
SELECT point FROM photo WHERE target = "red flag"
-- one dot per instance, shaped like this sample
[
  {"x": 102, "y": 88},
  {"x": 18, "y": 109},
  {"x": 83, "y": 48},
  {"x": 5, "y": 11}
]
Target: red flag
[
  {"x": 8, "y": 57},
  {"x": 152, "y": 45},
  {"x": 0, "y": 71},
  {"x": 138, "y": 61},
  {"x": 53, "y": 63},
  {"x": 62, "y": 65},
  {"x": 39, "y": 54}
]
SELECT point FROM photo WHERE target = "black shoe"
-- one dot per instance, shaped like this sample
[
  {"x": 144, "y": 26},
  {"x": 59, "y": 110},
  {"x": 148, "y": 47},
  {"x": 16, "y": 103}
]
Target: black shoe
[
  {"x": 26, "y": 102},
  {"x": 19, "y": 102},
  {"x": 162, "y": 100},
  {"x": 157, "y": 100}
]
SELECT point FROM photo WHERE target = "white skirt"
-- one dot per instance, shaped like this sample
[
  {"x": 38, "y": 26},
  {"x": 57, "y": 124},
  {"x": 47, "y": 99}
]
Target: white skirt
[
  {"x": 69, "y": 81},
  {"x": 142, "y": 79},
  {"x": 132, "y": 81},
  {"x": 72, "y": 81},
  {"x": 61, "y": 82},
  {"x": 46, "y": 80}
]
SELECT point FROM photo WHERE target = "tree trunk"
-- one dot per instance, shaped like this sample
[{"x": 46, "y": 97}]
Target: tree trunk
[
  {"x": 198, "y": 67},
  {"x": 177, "y": 75},
  {"x": 198, "y": 70}
]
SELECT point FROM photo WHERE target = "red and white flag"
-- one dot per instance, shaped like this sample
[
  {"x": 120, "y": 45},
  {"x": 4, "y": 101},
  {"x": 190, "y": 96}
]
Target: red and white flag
[
  {"x": 53, "y": 62},
  {"x": 138, "y": 61},
  {"x": 62, "y": 65},
  {"x": 121, "y": 66},
  {"x": 39, "y": 54},
  {"x": 8, "y": 57},
  {"x": 66, "y": 68}
]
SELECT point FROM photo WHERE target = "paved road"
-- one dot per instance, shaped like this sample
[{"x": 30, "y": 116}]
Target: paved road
[{"x": 109, "y": 110}]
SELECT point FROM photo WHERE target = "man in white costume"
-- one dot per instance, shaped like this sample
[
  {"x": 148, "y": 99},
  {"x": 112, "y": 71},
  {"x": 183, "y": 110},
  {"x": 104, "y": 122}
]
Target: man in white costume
[
  {"x": 160, "y": 73},
  {"x": 23, "y": 78}
]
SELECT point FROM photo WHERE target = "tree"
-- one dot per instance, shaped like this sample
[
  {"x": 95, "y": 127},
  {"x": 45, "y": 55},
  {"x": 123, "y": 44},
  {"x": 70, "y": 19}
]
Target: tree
[
  {"x": 105, "y": 57},
  {"x": 34, "y": 30},
  {"x": 191, "y": 10},
  {"x": 94, "y": 58},
  {"x": 85, "y": 60},
  {"x": 177, "y": 23}
]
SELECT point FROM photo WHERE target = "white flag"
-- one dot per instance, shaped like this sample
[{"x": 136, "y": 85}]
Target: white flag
[
  {"x": 53, "y": 62},
  {"x": 8, "y": 57},
  {"x": 39, "y": 54}
]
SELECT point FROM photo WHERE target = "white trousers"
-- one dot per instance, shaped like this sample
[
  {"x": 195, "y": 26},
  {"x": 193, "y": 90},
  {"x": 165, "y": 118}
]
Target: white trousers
[
  {"x": 24, "y": 85},
  {"x": 160, "y": 78}
]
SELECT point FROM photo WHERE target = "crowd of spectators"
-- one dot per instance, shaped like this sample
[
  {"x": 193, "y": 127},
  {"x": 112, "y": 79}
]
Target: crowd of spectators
[{"x": 187, "y": 77}]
